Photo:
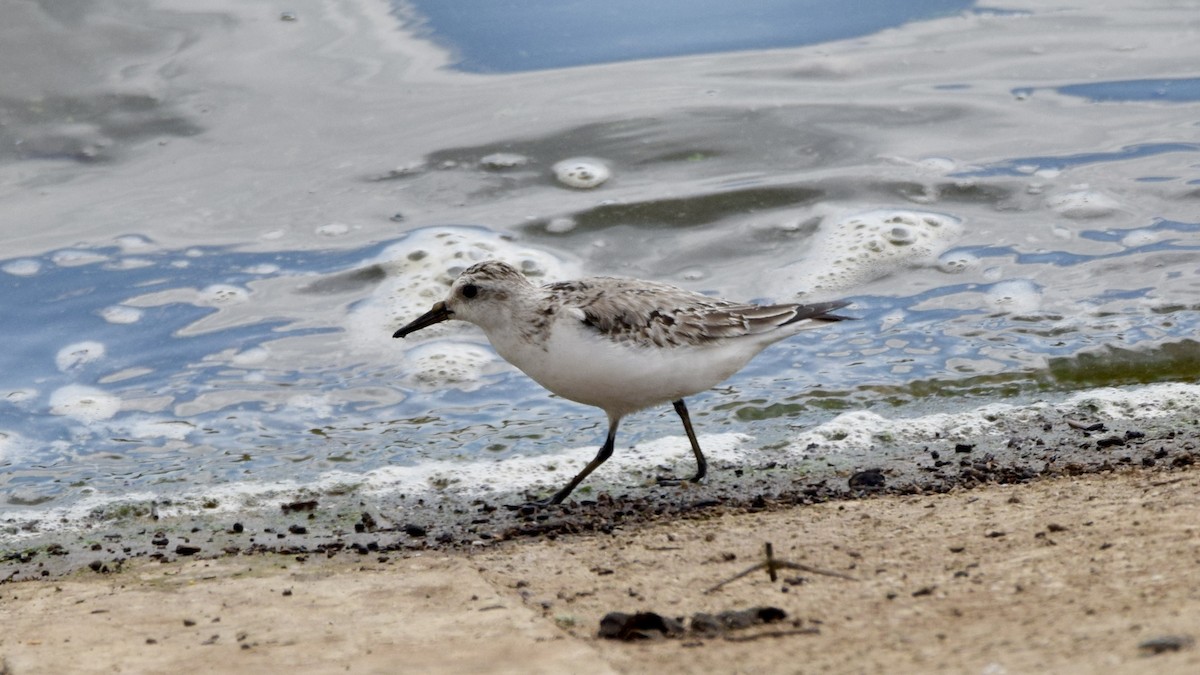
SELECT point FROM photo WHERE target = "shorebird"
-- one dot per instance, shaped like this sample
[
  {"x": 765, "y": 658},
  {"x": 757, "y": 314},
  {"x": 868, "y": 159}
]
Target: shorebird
[{"x": 620, "y": 345}]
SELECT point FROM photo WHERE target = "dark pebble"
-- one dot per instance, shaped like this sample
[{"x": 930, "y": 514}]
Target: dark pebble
[
  {"x": 184, "y": 549},
  {"x": 368, "y": 522},
  {"x": 705, "y": 623},
  {"x": 413, "y": 530},
  {"x": 298, "y": 529},
  {"x": 640, "y": 626},
  {"x": 1166, "y": 643},
  {"x": 867, "y": 479},
  {"x": 299, "y": 505}
]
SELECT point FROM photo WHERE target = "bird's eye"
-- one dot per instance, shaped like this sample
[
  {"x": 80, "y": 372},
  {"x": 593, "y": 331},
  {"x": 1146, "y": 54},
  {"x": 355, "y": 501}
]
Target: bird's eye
[{"x": 470, "y": 291}]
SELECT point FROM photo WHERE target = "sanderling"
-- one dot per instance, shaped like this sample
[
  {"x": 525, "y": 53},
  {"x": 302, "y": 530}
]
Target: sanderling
[{"x": 618, "y": 344}]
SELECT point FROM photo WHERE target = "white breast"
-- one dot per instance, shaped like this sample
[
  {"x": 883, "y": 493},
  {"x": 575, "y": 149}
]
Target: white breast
[{"x": 619, "y": 377}]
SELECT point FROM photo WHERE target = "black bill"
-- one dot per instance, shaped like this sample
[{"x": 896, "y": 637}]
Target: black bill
[{"x": 438, "y": 314}]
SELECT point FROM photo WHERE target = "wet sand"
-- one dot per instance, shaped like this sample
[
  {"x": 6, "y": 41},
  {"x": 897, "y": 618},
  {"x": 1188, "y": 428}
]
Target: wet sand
[{"x": 1089, "y": 573}]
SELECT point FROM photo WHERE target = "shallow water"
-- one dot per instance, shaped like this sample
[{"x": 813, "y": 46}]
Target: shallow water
[{"x": 213, "y": 222}]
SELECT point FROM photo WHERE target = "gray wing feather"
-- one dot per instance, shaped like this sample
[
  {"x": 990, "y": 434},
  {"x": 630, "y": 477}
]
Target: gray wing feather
[{"x": 639, "y": 311}]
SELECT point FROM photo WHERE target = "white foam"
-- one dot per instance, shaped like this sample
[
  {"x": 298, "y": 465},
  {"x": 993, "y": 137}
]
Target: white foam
[
  {"x": 22, "y": 268},
  {"x": 134, "y": 242},
  {"x": 561, "y": 225},
  {"x": 1136, "y": 238},
  {"x": 447, "y": 363},
  {"x": 333, "y": 229},
  {"x": 481, "y": 476},
  {"x": 582, "y": 172},
  {"x": 862, "y": 429},
  {"x": 217, "y": 295},
  {"x": 149, "y": 427},
  {"x": 1015, "y": 296},
  {"x": 83, "y": 403},
  {"x": 263, "y": 269},
  {"x": 956, "y": 262},
  {"x": 77, "y": 354},
  {"x": 1083, "y": 204},
  {"x": 852, "y": 250},
  {"x": 501, "y": 161},
  {"x": 76, "y": 258},
  {"x": 519, "y": 473},
  {"x": 419, "y": 270},
  {"x": 252, "y": 356},
  {"x": 129, "y": 264},
  {"x": 1142, "y": 403},
  {"x": 121, "y": 314}
]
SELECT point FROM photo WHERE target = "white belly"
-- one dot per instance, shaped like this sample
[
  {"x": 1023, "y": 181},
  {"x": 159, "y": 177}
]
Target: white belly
[{"x": 618, "y": 377}]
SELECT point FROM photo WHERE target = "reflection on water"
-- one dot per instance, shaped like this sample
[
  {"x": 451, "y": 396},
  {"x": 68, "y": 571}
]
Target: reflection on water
[{"x": 213, "y": 302}]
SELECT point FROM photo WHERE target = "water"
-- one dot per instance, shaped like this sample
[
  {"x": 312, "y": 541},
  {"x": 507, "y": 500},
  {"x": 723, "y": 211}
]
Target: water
[{"x": 213, "y": 221}]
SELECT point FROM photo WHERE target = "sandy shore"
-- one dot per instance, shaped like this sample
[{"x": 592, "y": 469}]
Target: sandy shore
[{"x": 1058, "y": 575}]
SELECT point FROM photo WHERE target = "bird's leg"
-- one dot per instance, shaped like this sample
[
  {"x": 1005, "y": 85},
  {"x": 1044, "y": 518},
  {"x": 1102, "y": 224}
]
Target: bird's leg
[
  {"x": 605, "y": 452},
  {"x": 701, "y": 463}
]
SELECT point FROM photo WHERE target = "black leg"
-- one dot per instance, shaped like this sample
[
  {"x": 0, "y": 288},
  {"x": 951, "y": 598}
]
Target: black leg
[
  {"x": 701, "y": 463},
  {"x": 606, "y": 451}
]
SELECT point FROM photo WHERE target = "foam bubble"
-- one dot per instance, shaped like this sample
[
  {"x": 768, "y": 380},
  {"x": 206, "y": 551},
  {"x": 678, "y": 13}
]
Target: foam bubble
[
  {"x": 159, "y": 428},
  {"x": 129, "y": 264},
  {"x": 445, "y": 363},
  {"x": 418, "y": 272},
  {"x": 501, "y": 161},
  {"x": 520, "y": 473},
  {"x": 561, "y": 225},
  {"x": 75, "y": 258},
  {"x": 221, "y": 294},
  {"x": 77, "y": 354},
  {"x": 956, "y": 262},
  {"x": 252, "y": 356},
  {"x": 1016, "y": 296},
  {"x": 121, "y": 314},
  {"x": 313, "y": 405},
  {"x": 86, "y": 404},
  {"x": 1136, "y": 238},
  {"x": 581, "y": 172},
  {"x": 22, "y": 268},
  {"x": 134, "y": 242},
  {"x": 1083, "y": 204},
  {"x": 854, "y": 250},
  {"x": 333, "y": 229}
]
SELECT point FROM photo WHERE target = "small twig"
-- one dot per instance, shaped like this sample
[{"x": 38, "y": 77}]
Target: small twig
[
  {"x": 773, "y": 634},
  {"x": 773, "y": 566}
]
